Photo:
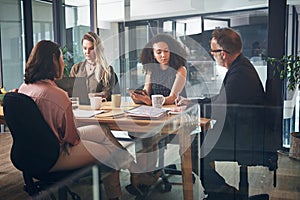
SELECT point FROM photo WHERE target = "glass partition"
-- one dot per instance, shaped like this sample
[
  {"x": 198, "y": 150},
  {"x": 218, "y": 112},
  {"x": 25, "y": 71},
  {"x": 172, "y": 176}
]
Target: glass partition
[
  {"x": 11, "y": 44},
  {"x": 173, "y": 130},
  {"x": 77, "y": 17},
  {"x": 171, "y": 137},
  {"x": 204, "y": 77},
  {"x": 42, "y": 21},
  {"x": 242, "y": 136}
]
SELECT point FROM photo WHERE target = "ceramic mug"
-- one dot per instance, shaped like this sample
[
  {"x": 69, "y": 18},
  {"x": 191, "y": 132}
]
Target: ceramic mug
[
  {"x": 158, "y": 100},
  {"x": 96, "y": 102}
]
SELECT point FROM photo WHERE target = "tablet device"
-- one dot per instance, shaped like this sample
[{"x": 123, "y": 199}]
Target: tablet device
[{"x": 137, "y": 91}]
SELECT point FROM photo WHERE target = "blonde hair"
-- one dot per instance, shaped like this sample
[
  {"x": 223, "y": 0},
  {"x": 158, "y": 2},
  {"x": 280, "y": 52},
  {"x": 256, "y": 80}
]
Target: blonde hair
[{"x": 102, "y": 71}]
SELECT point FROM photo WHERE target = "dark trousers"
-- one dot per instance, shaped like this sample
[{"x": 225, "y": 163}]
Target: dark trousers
[{"x": 211, "y": 180}]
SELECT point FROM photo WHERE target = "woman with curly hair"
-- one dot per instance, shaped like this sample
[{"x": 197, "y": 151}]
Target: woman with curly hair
[{"x": 164, "y": 60}]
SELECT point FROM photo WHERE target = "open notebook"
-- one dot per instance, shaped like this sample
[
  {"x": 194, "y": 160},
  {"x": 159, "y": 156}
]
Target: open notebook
[
  {"x": 146, "y": 112},
  {"x": 75, "y": 87},
  {"x": 86, "y": 113}
]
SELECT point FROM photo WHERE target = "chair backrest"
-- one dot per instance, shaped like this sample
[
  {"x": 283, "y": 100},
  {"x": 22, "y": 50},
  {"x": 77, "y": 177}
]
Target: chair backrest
[
  {"x": 35, "y": 148},
  {"x": 249, "y": 131},
  {"x": 244, "y": 134}
]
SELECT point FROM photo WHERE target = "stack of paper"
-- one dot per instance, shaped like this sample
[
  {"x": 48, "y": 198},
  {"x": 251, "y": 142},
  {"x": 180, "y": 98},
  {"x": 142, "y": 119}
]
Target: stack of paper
[
  {"x": 86, "y": 113},
  {"x": 146, "y": 112},
  {"x": 115, "y": 113}
]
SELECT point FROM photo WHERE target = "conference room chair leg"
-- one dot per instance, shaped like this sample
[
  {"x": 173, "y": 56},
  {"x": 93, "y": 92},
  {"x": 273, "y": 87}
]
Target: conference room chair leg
[
  {"x": 166, "y": 186},
  {"x": 97, "y": 170},
  {"x": 63, "y": 193},
  {"x": 244, "y": 187},
  {"x": 29, "y": 185},
  {"x": 243, "y": 184},
  {"x": 2, "y": 128}
]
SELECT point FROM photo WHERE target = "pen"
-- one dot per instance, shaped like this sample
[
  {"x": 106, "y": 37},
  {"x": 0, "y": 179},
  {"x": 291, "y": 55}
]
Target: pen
[{"x": 178, "y": 99}]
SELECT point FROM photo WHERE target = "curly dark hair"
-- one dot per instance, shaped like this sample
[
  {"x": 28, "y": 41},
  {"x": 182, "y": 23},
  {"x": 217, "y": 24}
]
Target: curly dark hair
[
  {"x": 40, "y": 64},
  {"x": 178, "y": 54}
]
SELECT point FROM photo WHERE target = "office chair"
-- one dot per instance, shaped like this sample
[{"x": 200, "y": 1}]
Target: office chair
[
  {"x": 246, "y": 139},
  {"x": 260, "y": 151},
  {"x": 171, "y": 169},
  {"x": 35, "y": 148}
]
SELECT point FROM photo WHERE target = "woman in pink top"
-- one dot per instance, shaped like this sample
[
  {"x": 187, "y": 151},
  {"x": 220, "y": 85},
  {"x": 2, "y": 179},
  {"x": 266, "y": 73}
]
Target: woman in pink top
[{"x": 79, "y": 146}]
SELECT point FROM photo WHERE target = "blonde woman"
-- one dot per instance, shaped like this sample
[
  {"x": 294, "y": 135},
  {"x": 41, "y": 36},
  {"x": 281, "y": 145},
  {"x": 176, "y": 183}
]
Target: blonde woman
[{"x": 100, "y": 75}]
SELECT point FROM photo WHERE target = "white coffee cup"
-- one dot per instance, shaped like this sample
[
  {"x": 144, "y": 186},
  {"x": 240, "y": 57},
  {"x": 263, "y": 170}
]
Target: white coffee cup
[
  {"x": 158, "y": 100},
  {"x": 96, "y": 102},
  {"x": 116, "y": 100}
]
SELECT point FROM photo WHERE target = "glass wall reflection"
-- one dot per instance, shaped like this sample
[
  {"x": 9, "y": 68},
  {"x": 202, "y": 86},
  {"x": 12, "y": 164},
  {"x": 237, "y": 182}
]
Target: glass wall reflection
[{"x": 11, "y": 41}]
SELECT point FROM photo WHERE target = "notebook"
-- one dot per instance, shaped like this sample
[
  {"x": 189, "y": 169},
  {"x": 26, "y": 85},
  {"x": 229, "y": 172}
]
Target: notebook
[
  {"x": 86, "y": 113},
  {"x": 75, "y": 87},
  {"x": 146, "y": 112}
]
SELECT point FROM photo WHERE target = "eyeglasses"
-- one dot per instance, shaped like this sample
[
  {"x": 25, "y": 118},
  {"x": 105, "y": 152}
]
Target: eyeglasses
[{"x": 218, "y": 50}]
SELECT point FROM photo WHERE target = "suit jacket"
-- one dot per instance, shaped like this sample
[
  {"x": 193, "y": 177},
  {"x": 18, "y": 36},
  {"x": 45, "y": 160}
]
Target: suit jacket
[
  {"x": 239, "y": 113},
  {"x": 241, "y": 84}
]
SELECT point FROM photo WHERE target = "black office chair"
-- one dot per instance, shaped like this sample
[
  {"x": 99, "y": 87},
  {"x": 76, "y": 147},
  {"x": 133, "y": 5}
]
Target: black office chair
[
  {"x": 35, "y": 148},
  {"x": 168, "y": 170},
  {"x": 246, "y": 139},
  {"x": 255, "y": 147},
  {"x": 165, "y": 171}
]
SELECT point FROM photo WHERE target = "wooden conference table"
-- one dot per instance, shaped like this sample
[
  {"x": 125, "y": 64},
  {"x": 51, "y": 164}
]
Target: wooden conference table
[{"x": 117, "y": 120}]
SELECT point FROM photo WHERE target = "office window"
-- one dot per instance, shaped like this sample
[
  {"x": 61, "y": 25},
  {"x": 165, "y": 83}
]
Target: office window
[
  {"x": 42, "y": 21},
  {"x": 77, "y": 16},
  {"x": 11, "y": 42},
  {"x": 193, "y": 25},
  {"x": 109, "y": 15},
  {"x": 180, "y": 28},
  {"x": 167, "y": 26}
]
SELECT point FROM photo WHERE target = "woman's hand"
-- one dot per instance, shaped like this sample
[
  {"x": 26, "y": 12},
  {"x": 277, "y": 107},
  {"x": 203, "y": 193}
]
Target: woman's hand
[
  {"x": 182, "y": 101},
  {"x": 140, "y": 98},
  {"x": 14, "y": 90}
]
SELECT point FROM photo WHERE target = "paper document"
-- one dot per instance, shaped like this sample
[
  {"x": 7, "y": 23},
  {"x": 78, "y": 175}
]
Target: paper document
[
  {"x": 86, "y": 113},
  {"x": 146, "y": 112},
  {"x": 121, "y": 135},
  {"x": 177, "y": 110},
  {"x": 115, "y": 113}
]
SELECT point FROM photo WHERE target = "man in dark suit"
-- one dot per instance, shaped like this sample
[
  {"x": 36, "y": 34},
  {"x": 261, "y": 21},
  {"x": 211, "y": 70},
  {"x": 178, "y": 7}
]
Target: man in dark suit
[{"x": 242, "y": 86}]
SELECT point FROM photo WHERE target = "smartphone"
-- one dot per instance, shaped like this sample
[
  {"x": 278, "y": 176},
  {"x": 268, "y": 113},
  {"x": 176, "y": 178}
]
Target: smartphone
[{"x": 137, "y": 91}]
